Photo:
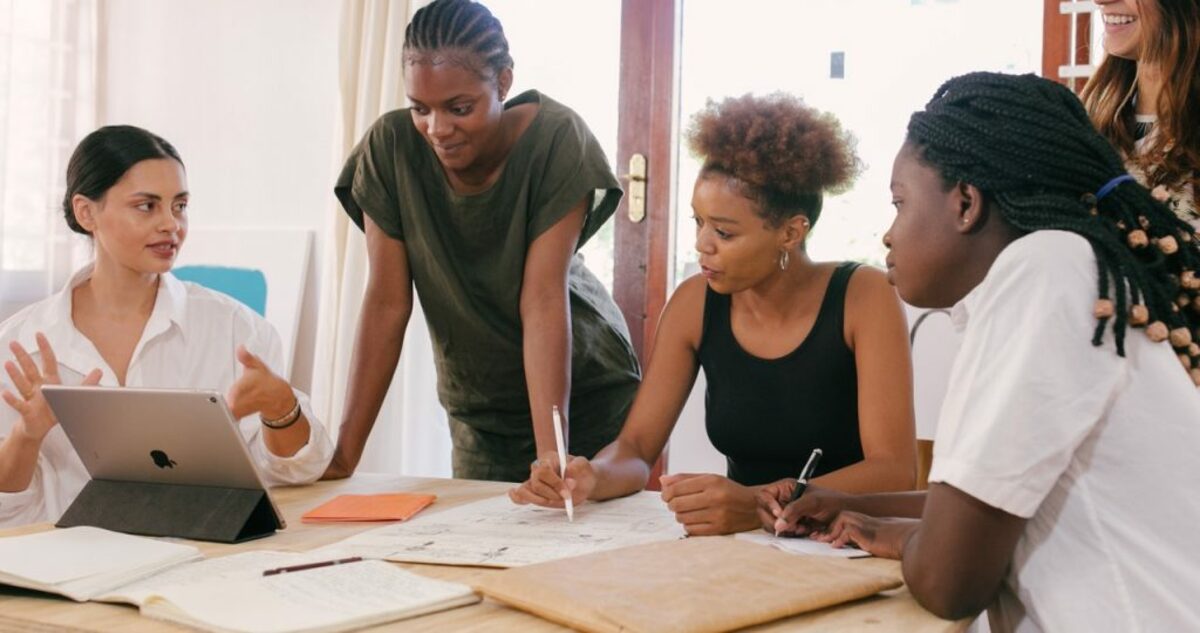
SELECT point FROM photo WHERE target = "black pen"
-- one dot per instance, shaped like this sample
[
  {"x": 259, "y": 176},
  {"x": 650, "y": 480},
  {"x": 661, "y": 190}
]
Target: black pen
[
  {"x": 327, "y": 563},
  {"x": 802, "y": 480}
]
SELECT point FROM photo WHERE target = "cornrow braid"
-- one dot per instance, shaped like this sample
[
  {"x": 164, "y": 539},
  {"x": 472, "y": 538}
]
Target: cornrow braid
[
  {"x": 1027, "y": 143},
  {"x": 462, "y": 27}
]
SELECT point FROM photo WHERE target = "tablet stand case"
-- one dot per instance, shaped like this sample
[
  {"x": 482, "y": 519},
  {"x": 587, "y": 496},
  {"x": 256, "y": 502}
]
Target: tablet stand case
[{"x": 202, "y": 513}]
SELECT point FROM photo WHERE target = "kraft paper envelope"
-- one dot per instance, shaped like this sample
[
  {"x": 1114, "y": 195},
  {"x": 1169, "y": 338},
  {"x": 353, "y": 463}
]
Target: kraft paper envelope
[{"x": 691, "y": 585}]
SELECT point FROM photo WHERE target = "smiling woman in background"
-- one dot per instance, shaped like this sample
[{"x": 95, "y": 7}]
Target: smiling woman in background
[
  {"x": 480, "y": 203},
  {"x": 1145, "y": 96},
  {"x": 124, "y": 320}
]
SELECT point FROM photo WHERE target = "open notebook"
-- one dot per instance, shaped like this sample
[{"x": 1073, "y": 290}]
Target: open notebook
[
  {"x": 690, "y": 586},
  {"x": 169, "y": 581},
  {"x": 332, "y": 598},
  {"x": 82, "y": 563}
]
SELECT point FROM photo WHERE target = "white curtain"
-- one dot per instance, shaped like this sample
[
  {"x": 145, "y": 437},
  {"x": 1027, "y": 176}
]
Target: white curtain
[
  {"x": 410, "y": 436},
  {"x": 47, "y": 103}
]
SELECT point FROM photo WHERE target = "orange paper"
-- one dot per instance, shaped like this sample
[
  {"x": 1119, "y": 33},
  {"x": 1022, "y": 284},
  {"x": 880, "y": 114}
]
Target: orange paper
[{"x": 397, "y": 506}]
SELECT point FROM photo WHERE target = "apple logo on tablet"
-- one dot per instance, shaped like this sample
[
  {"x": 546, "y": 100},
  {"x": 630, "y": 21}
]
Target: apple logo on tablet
[{"x": 161, "y": 460}]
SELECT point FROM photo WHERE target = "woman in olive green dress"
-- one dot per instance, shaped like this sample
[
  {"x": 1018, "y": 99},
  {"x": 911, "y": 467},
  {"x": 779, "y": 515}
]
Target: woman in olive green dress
[{"x": 480, "y": 204}]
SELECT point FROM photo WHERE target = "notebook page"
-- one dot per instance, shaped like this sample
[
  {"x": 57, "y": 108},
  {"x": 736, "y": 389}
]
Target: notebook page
[
  {"x": 331, "y": 598},
  {"x": 235, "y": 566},
  {"x": 82, "y": 559}
]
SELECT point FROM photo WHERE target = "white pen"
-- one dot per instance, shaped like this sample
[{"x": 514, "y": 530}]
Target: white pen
[{"x": 562, "y": 459}]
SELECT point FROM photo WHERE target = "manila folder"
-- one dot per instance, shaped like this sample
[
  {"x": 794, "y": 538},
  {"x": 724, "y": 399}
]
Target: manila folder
[{"x": 693, "y": 585}]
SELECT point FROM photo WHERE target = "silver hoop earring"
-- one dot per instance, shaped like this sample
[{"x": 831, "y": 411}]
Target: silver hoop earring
[{"x": 784, "y": 257}]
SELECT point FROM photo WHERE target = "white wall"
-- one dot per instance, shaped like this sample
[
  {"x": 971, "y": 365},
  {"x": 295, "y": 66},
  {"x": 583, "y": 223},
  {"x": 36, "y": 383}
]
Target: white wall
[
  {"x": 935, "y": 345},
  {"x": 247, "y": 92},
  {"x": 690, "y": 450}
]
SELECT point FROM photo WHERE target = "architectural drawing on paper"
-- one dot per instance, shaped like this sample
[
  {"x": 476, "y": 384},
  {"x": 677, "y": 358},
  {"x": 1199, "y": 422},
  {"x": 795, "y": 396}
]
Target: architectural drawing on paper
[{"x": 497, "y": 533}]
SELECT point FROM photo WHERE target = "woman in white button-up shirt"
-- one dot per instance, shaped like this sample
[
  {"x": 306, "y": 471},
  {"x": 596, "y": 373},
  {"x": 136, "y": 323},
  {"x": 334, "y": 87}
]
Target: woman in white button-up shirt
[{"x": 124, "y": 320}]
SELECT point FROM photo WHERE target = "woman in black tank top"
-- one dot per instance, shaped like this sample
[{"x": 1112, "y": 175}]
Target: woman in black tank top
[
  {"x": 797, "y": 354},
  {"x": 767, "y": 414}
]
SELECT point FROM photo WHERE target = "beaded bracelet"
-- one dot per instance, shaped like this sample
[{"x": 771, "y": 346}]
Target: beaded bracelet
[{"x": 288, "y": 419}]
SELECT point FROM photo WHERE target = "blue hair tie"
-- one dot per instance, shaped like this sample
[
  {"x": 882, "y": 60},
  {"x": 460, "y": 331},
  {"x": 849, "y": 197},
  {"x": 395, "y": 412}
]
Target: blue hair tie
[{"x": 1112, "y": 184}]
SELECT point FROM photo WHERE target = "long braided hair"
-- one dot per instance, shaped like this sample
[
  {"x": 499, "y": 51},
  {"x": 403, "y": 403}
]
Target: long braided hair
[
  {"x": 1027, "y": 143},
  {"x": 462, "y": 30}
]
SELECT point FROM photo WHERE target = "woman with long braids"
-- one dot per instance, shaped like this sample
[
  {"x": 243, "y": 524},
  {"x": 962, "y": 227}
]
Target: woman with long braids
[
  {"x": 481, "y": 203},
  {"x": 1069, "y": 430},
  {"x": 1145, "y": 95}
]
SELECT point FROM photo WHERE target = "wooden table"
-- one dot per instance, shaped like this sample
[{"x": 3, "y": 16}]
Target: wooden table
[{"x": 32, "y": 612}]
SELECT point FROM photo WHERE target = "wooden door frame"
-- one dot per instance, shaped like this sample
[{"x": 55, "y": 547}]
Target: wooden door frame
[
  {"x": 1056, "y": 42},
  {"x": 647, "y": 105}
]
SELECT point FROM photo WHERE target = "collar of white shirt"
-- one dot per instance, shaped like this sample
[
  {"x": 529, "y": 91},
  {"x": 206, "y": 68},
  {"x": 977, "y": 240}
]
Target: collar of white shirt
[
  {"x": 960, "y": 314},
  {"x": 73, "y": 349}
]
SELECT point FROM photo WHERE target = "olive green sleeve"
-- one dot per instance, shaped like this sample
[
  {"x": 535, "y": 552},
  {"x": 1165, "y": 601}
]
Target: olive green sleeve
[
  {"x": 574, "y": 168},
  {"x": 367, "y": 183}
]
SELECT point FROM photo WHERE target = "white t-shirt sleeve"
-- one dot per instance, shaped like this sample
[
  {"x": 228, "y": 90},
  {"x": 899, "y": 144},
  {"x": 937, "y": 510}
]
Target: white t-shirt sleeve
[{"x": 1028, "y": 386}]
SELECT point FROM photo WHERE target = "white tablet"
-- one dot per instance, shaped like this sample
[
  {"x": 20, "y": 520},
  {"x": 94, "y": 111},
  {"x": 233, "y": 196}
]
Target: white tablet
[{"x": 161, "y": 436}]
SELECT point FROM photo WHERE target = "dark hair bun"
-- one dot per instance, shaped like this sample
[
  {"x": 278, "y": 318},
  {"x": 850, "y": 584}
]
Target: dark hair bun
[{"x": 775, "y": 143}]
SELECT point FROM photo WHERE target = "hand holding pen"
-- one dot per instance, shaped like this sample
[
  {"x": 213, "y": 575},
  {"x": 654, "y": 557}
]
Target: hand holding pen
[
  {"x": 562, "y": 461},
  {"x": 802, "y": 480},
  {"x": 546, "y": 482}
]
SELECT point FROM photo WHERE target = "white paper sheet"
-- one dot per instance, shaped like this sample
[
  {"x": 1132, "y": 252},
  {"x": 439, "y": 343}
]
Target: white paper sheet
[
  {"x": 801, "y": 545},
  {"x": 233, "y": 567},
  {"x": 497, "y": 533}
]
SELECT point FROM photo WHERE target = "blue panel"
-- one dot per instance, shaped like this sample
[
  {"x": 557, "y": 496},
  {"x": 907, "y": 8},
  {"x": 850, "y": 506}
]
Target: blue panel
[{"x": 245, "y": 285}]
